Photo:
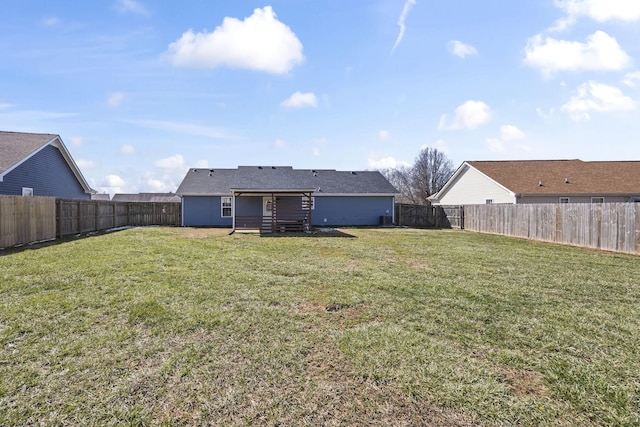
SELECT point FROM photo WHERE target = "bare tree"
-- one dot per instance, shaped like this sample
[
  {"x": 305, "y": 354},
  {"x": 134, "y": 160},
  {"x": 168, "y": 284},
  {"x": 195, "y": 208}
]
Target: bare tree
[
  {"x": 430, "y": 171},
  {"x": 401, "y": 178}
]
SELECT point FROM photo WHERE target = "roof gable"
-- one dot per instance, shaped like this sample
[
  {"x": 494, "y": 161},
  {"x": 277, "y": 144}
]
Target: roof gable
[
  {"x": 283, "y": 178},
  {"x": 545, "y": 177},
  {"x": 18, "y": 147}
]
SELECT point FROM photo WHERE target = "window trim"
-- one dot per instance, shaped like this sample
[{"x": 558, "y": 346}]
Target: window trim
[
  {"x": 226, "y": 202},
  {"x": 27, "y": 191}
]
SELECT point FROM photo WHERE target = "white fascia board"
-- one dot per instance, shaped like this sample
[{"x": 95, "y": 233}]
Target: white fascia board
[
  {"x": 57, "y": 142},
  {"x": 355, "y": 194}
]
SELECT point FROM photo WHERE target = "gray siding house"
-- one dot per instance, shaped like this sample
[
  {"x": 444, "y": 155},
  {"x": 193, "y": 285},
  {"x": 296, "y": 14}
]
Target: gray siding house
[
  {"x": 541, "y": 181},
  {"x": 33, "y": 164},
  {"x": 270, "y": 198}
]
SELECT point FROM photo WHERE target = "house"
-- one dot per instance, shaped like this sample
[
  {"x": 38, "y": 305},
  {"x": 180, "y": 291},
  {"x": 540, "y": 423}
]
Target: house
[
  {"x": 103, "y": 197},
  {"x": 35, "y": 164},
  {"x": 270, "y": 198},
  {"x": 146, "y": 197},
  {"x": 541, "y": 181}
]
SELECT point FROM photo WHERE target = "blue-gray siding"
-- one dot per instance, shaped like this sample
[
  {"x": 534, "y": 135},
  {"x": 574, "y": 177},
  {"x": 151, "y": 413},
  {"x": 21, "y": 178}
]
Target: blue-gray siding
[
  {"x": 341, "y": 211},
  {"x": 201, "y": 211},
  {"x": 328, "y": 211},
  {"x": 48, "y": 173}
]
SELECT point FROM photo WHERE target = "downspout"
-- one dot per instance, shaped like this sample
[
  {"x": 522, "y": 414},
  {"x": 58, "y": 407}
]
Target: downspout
[
  {"x": 233, "y": 213},
  {"x": 393, "y": 210}
]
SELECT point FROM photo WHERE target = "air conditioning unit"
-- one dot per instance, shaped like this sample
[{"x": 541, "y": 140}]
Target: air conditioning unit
[{"x": 386, "y": 220}]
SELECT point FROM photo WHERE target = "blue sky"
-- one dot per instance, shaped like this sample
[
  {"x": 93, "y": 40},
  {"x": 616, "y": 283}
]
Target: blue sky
[{"x": 141, "y": 90}]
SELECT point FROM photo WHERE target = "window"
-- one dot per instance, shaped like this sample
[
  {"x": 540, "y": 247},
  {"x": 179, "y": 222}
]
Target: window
[
  {"x": 564, "y": 200},
  {"x": 313, "y": 203},
  {"x": 226, "y": 206},
  {"x": 489, "y": 201},
  {"x": 26, "y": 191},
  {"x": 597, "y": 200}
]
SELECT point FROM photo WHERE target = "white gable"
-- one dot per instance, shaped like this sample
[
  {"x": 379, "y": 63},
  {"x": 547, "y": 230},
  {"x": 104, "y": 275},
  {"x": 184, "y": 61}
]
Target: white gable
[{"x": 471, "y": 187}]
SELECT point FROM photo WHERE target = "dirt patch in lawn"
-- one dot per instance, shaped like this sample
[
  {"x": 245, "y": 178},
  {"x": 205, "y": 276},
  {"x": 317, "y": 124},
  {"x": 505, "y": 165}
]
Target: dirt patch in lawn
[
  {"x": 200, "y": 233},
  {"x": 525, "y": 383}
]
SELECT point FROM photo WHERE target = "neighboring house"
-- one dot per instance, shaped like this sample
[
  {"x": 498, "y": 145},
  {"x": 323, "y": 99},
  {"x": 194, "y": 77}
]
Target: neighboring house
[
  {"x": 147, "y": 197},
  {"x": 281, "y": 198},
  {"x": 541, "y": 181},
  {"x": 34, "y": 164},
  {"x": 104, "y": 197}
]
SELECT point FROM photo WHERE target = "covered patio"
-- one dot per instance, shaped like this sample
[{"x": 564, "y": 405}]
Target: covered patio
[{"x": 271, "y": 211}]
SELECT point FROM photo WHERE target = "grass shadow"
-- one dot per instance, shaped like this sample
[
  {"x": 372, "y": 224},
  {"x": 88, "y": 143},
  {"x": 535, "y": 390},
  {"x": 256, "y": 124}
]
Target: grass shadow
[
  {"x": 316, "y": 232},
  {"x": 55, "y": 242}
]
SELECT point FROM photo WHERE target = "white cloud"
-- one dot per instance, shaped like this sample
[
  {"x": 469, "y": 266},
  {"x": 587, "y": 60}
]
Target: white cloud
[
  {"x": 201, "y": 164},
  {"x": 461, "y": 50},
  {"x": 280, "y": 143},
  {"x": 300, "y": 100},
  {"x": 401, "y": 22},
  {"x": 116, "y": 99},
  {"x": 386, "y": 163},
  {"x": 131, "y": 6},
  {"x": 469, "y": 115},
  {"x": 173, "y": 162},
  {"x": 127, "y": 149},
  {"x": 384, "y": 135},
  {"x": 510, "y": 133},
  {"x": 156, "y": 185},
  {"x": 495, "y": 145},
  {"x": 631, "y": 78},
  {"x": 602, "y": 10},
  {"x": 597, "y": 97},
  {"x": 51, "y": 21},
  {"x": 260, "y": 42},
  {"x": 315, "y": 152},
  {"x": 545, "y": 114},
  {"x": 77, "y": 141},
  {"x": 85, "y": 164},
  {"x": 599, "y": 52},
  {"x": 112, "y": 184}
]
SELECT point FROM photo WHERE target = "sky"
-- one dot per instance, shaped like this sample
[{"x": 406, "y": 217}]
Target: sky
[{"x": 142, "y": 90}]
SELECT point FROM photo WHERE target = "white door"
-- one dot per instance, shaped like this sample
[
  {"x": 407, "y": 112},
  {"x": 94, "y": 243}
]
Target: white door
[{"x": 267, "y": 206}]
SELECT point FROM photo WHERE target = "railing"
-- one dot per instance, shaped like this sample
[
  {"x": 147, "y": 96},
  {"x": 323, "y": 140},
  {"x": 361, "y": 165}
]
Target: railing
[{"x": 269, "y": 224}]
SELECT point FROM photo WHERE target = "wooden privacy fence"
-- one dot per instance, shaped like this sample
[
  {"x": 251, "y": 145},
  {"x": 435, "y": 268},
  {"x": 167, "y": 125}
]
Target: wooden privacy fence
[
  {"x": 32, "y": 219},
  {"x": 415, "y": 215},
  {"x": 26, "y": 219},
  {"x": 83, "y": 216},
  {"x": 606, "y": 226}
]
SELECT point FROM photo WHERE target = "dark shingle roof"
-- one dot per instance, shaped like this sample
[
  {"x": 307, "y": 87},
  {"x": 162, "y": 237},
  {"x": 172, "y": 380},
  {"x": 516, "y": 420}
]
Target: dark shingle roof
[
  {"x": 271, "y": 178},
  {"x": 146, "y": 197},
  {"x": 563, "y": 176},
  {"x": 16, "y": 146}
]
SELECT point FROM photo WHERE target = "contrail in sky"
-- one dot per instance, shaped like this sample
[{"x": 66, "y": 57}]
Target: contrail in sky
[{"x": 403, "y": 16}]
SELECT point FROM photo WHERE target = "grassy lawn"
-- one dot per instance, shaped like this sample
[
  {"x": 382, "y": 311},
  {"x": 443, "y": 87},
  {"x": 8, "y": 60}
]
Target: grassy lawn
[{"x": 161, "y": 326}]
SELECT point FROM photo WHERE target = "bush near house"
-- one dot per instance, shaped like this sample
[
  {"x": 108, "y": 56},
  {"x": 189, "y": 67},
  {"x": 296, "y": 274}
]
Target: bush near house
[{"x": 179, "y": 326}]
